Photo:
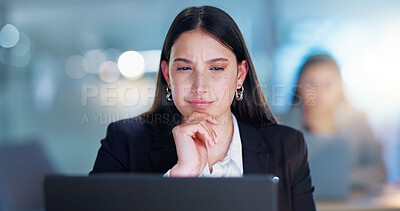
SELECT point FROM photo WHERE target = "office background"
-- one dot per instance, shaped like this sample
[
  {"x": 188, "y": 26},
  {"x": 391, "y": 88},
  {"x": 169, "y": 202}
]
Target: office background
[{"x": 63, "y": 79}]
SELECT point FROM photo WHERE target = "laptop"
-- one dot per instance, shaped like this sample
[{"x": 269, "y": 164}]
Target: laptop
[
  {"x": 154, "y": 192},
  {"x": 330, "y": 168}
]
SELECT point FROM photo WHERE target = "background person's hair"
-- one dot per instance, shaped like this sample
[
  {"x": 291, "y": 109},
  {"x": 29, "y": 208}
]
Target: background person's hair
[
  {"x": 222, "y": 27},
  {"x": 311, "y": 60}
]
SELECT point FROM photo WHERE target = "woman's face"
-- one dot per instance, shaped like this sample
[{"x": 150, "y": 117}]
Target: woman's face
[
  {"x": 203, "y": 74},
  {"x": 320, "y": 85}
]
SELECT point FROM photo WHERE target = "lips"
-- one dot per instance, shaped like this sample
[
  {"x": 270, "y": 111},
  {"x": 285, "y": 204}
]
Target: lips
[{"x": 200, "y": 103}]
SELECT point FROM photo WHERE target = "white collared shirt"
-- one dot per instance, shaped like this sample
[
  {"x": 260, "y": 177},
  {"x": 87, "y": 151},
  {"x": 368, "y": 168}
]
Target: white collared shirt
[{"x": 232, "y": 164}]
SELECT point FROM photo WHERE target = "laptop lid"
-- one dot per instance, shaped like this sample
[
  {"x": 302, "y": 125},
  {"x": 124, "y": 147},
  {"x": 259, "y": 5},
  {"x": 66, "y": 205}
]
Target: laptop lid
[
  {"x": 330, "y": 168},
  {"x": 154, "y": 192}
]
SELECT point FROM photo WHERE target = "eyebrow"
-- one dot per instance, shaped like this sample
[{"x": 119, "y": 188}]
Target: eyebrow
[{"x": 209, "y": 61}]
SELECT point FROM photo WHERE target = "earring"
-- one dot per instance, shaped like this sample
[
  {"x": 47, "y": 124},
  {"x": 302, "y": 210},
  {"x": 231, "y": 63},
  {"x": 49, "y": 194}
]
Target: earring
[
  {"x": 169, "y": 95},
  {"x": 239, "y": 93}
]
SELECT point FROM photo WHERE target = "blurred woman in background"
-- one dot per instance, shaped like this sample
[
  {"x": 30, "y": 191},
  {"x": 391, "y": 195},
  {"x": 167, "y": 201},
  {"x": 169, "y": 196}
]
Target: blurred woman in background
[{"x": 322, "y": 112}]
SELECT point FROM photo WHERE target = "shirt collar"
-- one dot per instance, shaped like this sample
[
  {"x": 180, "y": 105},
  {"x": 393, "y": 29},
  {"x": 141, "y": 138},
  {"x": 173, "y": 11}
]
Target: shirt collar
[
  {"x": 235, "y": 149},
  {"x": 233, "y": 156}
]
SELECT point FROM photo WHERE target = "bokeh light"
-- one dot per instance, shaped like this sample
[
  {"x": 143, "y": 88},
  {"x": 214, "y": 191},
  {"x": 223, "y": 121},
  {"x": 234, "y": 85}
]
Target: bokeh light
[
  {"x": 74, "y": 67},
  {"x": 131, "y": 65},
  {"x": 20, "y": 61},
  {"x": 24, "y": 39},
  {"x": 108, "y": 71},
  {"x": 19, "y": 50},
  {"x": 16, "y": 54},
  {"x": 93, "y": 59},
  {"x": 9, "y": 36}
]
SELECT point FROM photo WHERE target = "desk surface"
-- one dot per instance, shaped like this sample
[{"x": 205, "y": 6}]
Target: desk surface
[{"x": 385, "y": 200}]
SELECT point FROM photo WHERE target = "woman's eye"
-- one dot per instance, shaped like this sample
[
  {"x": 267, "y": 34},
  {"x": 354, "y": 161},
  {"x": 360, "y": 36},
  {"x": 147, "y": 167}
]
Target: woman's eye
[
  {"x": 217, "y": 68},
  {"x": 183, "y": 68}
]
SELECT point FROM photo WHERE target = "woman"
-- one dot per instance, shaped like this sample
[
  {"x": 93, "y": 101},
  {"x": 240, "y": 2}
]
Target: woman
[
  {"x": 209, "y": 117},
  {"x": 321, "y": 111}
]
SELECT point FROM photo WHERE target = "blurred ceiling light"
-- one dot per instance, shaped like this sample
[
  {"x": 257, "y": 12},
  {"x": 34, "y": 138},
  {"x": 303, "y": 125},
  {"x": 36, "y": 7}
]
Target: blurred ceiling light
[
  {"x": 19, "y": 50},
  {"x": 151, "y": 59},
  {"x": 74, "y": 67},
  {"x": 20, "y": 61},
  {"x": 108, "y": 71},
  {"x": 131, "y": 65},
  {"x": 93, "y": 59},
  {"x": 9, "y": 36}
]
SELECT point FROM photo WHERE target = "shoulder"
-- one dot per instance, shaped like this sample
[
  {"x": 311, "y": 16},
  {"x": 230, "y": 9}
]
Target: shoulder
[
  {"x": 133, "y": 123},
  {"x": 126, "y": 142},
  {"x": 126, "y": 130},
  {"x": 274, "y": 135},
  {"x": 292, "y": 118},
  {"x": 281, "y": 133},
  {"x": 284, "y": 142}
]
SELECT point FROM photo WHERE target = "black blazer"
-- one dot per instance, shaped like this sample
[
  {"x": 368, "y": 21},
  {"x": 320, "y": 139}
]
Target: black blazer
[{"x": 274, "y": 149}]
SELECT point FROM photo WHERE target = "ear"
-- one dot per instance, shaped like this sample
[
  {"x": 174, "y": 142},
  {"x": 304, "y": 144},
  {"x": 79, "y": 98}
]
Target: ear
[
  {"x": 165, "y": 71},
  {"x": 243, "y": 69}
]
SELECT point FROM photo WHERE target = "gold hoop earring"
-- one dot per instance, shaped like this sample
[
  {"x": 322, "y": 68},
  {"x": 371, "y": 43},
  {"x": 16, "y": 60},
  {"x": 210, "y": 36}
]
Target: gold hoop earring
[
  {"x": 169, "y": 94},
  {"x": 239, "y": 93}
]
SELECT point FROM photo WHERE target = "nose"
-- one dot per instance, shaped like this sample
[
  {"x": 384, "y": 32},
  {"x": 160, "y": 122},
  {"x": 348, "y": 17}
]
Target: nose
[{"x": 200, "y": 84}]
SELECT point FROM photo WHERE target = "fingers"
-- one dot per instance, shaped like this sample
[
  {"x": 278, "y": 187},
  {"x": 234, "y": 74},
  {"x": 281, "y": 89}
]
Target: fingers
[
  {"x": 205, "y": 120},
  {"x": 200, "y": 131},
  {"x": 211, "y": 131},
  {"x": 193, "y": 138}
]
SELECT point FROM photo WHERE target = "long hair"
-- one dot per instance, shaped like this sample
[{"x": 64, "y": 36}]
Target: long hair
[{"x": 163, "y": 115}]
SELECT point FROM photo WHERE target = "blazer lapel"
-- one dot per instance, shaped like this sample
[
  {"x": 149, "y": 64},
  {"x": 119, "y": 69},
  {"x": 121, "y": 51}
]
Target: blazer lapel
[{"x": 254, "y": 150}]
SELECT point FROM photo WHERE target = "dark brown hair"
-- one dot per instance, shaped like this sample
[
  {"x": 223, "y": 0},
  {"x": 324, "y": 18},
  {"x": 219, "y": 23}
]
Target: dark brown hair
[{"x": 163, "y": 115}]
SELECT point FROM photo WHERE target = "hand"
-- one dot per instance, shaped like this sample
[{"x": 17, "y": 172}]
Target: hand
[{"x": 191, "y": 140}]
